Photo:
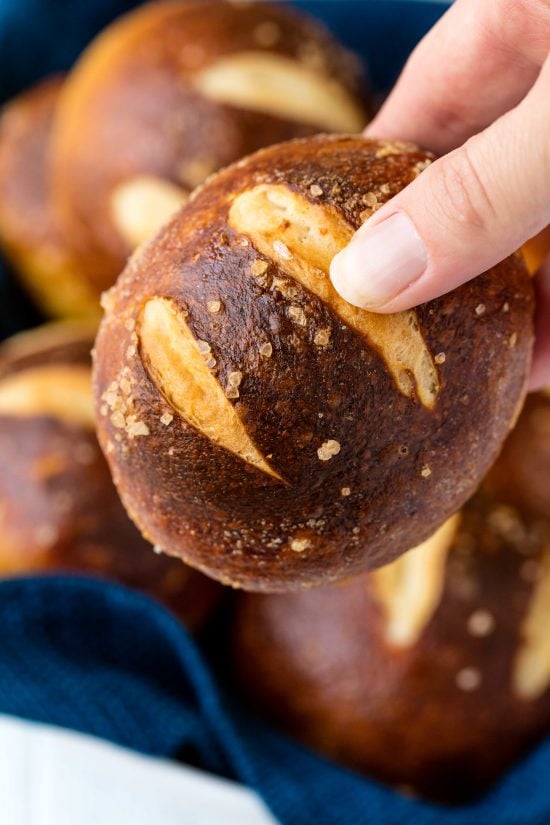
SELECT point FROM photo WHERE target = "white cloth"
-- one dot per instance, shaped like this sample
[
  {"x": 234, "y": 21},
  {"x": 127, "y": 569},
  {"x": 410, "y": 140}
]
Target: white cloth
[{"x": 50, "y": 776}]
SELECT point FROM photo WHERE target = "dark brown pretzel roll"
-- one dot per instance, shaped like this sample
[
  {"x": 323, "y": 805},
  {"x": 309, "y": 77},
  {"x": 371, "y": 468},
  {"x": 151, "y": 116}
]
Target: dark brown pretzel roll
[
  {"x": 174, "y": 91},
  {"x": 29, "y": 234},
  {"x": 59, "y": 510},
  {"x": 521, "y": 474},
  {"x": 265, "y": 430},
  {"x": 432, "y": 673}
]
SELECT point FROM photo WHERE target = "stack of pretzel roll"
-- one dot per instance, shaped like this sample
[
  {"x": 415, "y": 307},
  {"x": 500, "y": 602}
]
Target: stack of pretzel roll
[
  {"x": 377, "y": 482},
  {"x": 162, "y": 98}
]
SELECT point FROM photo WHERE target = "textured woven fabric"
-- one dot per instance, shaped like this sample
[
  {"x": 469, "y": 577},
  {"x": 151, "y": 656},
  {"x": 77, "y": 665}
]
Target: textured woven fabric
[{"x": 102, "y": 659}]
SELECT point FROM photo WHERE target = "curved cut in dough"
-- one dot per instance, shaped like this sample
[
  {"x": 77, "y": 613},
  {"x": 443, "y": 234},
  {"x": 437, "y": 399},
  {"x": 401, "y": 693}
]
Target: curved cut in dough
[
  {"x": 313, "y": 235},
  {"x": 531, "y": 675},
  {"x": 177, "y": 367},
  {"x": 536, "y": 250},
  {"x": 57, "y": 391},
  {"x": 410, "y": 588},
  {"x": 281, "y": 86},
  {"x": 48, "y": 336},
  {"x": 141, "y": 205}
]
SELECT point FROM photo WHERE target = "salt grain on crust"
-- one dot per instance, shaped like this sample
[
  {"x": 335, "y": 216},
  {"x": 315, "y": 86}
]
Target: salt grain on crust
[
  {"x": 282, "y": 250},
  {"x": 328, "y": 449},
  {"x": 298, "y": 315},
  {"x": 299, "y": 545},
  {"x": 481, "y": 623},
  {"x": 468, "y": 679},
  {"x": 258, "y": 267},
  {"x": 322, "y": 337}
]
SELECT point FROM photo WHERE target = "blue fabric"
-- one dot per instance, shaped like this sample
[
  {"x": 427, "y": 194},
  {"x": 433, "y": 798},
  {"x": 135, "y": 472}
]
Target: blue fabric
[
  {"x": 41, "y": 36},
  {"x": 102, "y": 659},
  {"x": 97, "y": 658}
]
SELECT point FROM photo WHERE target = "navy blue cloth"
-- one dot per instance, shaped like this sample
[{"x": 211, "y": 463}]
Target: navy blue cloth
[
  {"x": 42, "y": 36},
  {"x": 99, "y": 658}
]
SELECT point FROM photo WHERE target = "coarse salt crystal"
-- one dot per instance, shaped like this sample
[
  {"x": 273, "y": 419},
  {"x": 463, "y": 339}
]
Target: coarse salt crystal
[
  {"x": 328, "y": 449},
  {"x": 282, "y": 250}
]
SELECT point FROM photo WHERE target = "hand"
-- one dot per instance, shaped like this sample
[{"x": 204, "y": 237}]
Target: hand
[{"x": 477, "y": 87}]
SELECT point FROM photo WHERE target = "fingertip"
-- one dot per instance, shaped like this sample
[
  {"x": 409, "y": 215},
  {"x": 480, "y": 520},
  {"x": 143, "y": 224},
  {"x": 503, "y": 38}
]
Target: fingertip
[
  {"x": 346, "y": 276},
  {"x": 382, "y": 261}
]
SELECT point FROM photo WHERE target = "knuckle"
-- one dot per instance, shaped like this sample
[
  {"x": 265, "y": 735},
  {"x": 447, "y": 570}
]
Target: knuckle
[
  {"x": 460, "y": 193},
  {"x": 521, "y": 26}
]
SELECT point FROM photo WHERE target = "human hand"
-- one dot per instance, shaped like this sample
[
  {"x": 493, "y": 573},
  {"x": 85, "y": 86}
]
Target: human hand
[{"x": 477, "y": 87}]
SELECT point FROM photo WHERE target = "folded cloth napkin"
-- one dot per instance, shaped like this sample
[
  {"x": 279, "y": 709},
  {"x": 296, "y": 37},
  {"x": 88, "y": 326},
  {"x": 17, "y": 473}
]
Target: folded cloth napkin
[{"x": 102, "y": 659}]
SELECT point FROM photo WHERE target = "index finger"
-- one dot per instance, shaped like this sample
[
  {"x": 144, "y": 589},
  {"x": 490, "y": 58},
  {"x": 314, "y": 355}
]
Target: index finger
[{"x": 476, "y": 63}]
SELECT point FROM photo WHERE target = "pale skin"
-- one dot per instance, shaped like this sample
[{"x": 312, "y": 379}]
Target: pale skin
[{"x": 476, "y": 91}]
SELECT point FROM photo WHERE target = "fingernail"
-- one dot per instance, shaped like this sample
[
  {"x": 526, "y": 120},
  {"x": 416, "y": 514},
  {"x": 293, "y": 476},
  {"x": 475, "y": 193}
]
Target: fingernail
[{"x": 379, "y": 263}]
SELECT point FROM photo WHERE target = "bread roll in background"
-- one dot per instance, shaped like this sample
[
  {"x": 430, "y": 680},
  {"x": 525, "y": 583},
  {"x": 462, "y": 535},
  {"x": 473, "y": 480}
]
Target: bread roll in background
[
  {"x": 259, "y": 426},
  {"x": 521, "y": 474},
  {"x": 59, "y": 510},
  {"x": 29, "y": 235},
  {"x": 431, "y": 673},
  {"x": 172, "y": 92}
]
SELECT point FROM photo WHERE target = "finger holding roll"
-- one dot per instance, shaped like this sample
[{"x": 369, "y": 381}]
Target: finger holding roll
[
  {"x": 59, "y": 510},
  {"x": 263, "y": 429}
]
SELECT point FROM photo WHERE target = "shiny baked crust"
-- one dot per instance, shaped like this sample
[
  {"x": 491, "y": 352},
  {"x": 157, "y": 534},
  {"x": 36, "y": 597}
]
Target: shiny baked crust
[
  {"x": 440, "y": 707},
  {"x": 521, "y": 474},
  {"x": 59, "y": 510},
  {"x": 29, "y": 234},
  {"x": 172, "y": 92},
  {"x": 265, "y": 430}
]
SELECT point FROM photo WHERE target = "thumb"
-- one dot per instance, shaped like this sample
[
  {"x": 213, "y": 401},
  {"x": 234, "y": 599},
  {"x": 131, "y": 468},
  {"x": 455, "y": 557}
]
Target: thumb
[{"x": 461, "y": 216}]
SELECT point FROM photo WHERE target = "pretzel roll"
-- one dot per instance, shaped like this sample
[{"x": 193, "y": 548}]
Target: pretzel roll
[
  {"x": 521, "y": 474},
  {"x": 174, "y": 91},
  {"x": 431, "y": 673},
  {"x": 59, "y": 510},
  {"x": 29, "y": 235},
  {"x": 259, "y": 426}
]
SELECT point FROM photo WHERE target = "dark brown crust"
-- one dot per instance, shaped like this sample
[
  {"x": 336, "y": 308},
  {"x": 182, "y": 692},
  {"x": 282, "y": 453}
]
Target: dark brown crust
[
  {"x": 132, "y": 111},
  {"x": 230, "y": 519},
  {"x": 59, "y": 342},
  {"x": 29, "y": 234},
  {"x": 521, "y": 474},
  {"x": 60, "y": 512},
  {"x": 25, "y": 125},
  {"x": 317, "y": 664}
]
